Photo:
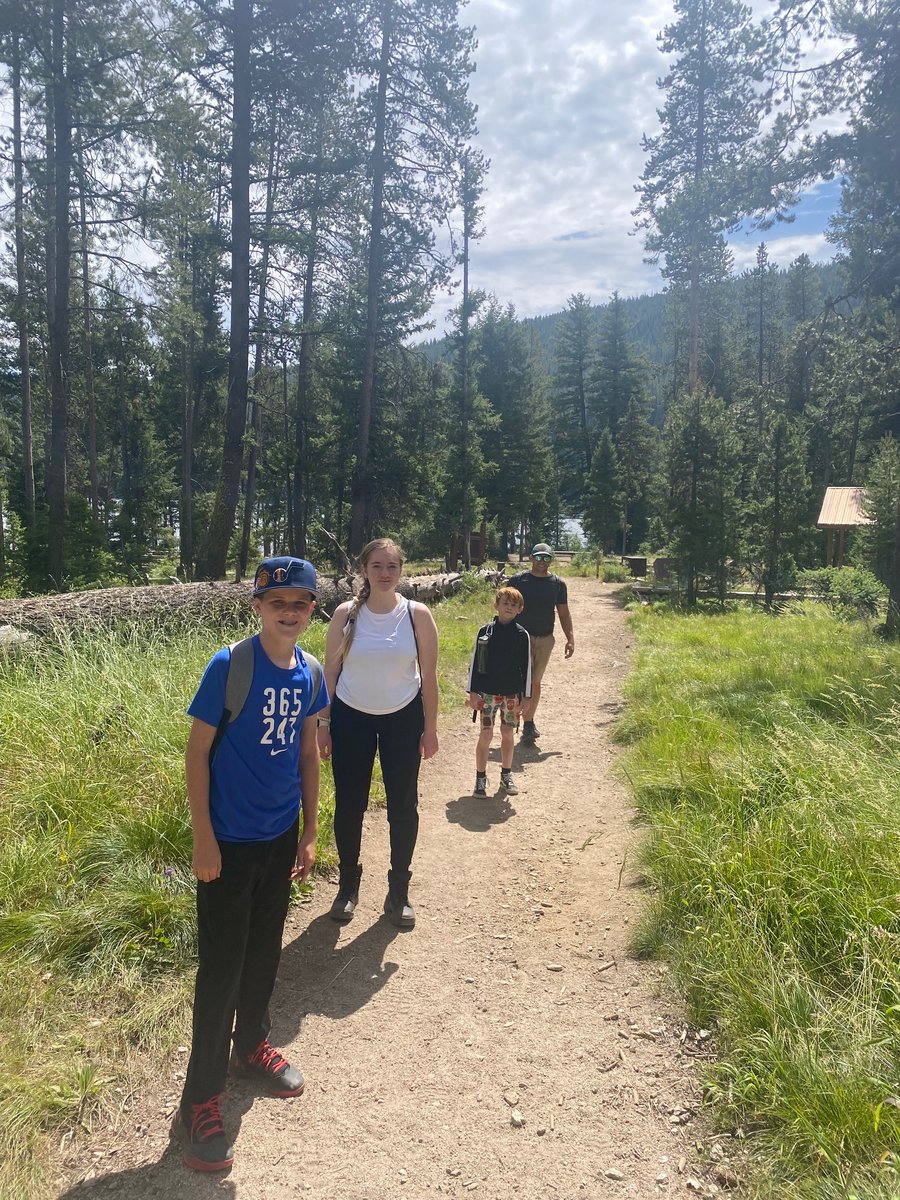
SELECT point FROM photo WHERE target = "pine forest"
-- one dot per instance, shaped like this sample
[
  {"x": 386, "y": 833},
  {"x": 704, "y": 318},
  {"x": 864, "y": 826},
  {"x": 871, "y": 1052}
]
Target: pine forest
[{"x": 224, "y": 229}]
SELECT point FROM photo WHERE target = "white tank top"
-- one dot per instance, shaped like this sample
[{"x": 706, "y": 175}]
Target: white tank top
[{"x": 381, "y": 671}]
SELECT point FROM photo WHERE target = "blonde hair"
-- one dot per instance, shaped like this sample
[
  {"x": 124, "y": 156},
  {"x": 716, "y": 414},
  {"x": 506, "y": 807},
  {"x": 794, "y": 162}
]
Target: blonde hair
[{"x": 363, "y": 589}]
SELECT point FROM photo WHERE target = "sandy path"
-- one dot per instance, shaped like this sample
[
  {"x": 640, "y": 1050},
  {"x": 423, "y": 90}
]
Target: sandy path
[{"x": 515, "y": 991}]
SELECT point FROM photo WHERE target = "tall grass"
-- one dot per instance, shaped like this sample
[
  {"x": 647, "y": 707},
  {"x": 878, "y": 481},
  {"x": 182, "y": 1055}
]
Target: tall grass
[
  {"x": 97, "y": 938},
  {"x": 763, "y": 756}
]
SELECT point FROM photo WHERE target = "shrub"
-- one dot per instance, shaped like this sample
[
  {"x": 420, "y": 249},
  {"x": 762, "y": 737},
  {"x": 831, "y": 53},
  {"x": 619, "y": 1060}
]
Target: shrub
[
  {"x": 853, "y": 591},
  {"x": 614, "y": 573}
]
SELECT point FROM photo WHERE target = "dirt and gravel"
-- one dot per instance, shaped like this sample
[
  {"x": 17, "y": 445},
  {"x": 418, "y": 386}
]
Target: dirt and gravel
[{"x": 507, "y": 1046}]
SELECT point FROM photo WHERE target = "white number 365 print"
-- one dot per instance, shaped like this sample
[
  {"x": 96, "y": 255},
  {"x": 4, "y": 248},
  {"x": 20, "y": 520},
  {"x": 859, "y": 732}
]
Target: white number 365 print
[{"x": 280, "y": 712}]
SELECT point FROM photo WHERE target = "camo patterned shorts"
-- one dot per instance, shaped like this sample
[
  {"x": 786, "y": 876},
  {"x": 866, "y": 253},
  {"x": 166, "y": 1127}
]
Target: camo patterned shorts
[{"x": 504, "y": 705}]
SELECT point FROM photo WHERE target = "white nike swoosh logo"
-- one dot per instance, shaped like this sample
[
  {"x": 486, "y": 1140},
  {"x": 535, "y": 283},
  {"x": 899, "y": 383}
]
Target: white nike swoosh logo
[{"x": 272, "y": 753}]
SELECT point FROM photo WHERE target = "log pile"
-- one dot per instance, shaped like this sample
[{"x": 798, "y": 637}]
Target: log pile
[{"x": 183, "y": 604}]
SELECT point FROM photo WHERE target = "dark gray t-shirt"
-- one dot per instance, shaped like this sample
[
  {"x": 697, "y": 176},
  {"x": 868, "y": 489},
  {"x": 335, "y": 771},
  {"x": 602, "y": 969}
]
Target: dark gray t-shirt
[{"x": 541, "y": 596}]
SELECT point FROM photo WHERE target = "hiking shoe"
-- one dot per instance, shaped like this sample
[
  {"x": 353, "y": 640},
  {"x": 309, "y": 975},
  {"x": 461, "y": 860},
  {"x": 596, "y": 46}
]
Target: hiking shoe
[
  {"x": 267, "y": 1066},
  {"x": 206, "y": 1146},
  {"x": 530, "y": 731},
  {"x": 506, "y": 782},
  {"x": 480, "y": 788},
  {"x": 347, "y": 898}
]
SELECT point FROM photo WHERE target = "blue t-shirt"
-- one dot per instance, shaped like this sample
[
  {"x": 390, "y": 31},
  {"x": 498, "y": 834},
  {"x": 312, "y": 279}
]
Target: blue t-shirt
[{"x": 254, "y": 790}]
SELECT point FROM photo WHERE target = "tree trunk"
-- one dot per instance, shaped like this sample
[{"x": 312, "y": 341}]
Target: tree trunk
[
  {"x": 892, "y": 624},
  {"x": 88, "y": 342},
  {"x": 361, "y": 497},
  {"x": 188, "y": 367},
  {"x": 699, "y": 168},
  {"x": 59, "y": 323},
  {"x": 221, "y": 523},
  {"x": 259, "y": 341},
  {"x": 22, "y": 287},
  {"x": 770, "y": 580},
  {"x": 466, "y": 380}
]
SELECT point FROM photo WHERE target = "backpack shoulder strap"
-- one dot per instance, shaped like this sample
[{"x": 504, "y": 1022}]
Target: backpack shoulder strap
[
  {"x": 412, "y": 621},
  {"x": 237, "y": 688},
  {"x": 315, "y": 670}
]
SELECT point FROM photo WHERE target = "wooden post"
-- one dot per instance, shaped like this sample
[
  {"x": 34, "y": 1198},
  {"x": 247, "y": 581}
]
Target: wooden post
[
  {"x": 840, "y": 554},
  {"x": 829, "y": 548}
]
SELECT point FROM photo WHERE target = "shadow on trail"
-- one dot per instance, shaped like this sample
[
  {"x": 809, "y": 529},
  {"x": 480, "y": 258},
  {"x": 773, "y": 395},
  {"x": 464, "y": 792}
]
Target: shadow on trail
[
  {"x": 319, "y": 976},
  {"x": 529, "y": 752},
  {"x": 479, "y": 813},
  {"x": 316, "y": 976},
  {"x": 168, "y": 1176}
]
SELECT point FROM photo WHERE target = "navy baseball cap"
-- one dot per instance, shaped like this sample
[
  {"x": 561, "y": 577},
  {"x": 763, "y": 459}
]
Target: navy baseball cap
[{"x": 284, "y": 572}]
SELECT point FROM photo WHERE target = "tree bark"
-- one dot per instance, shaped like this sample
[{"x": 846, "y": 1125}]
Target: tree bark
[
  {"x": 22, "y": 287},
  {"x": 259, "y": 343},
  {"x": 59, "y": 322},
  {"x": 361, "y": 492},
  {"x": 464, "y": 371},
  {"x": 88, "y": 342},
  {"x": 188, "y": 361},
  {"x": 221, "y": 524},
  {"x": 699, "y": 167},
  {"x": 892, "y": 624}
]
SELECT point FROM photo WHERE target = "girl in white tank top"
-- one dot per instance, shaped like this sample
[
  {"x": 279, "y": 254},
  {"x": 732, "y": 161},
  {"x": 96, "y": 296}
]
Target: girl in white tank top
[
  {"x": 380, "y": 673},
  {"x": 381, "y": 670}
]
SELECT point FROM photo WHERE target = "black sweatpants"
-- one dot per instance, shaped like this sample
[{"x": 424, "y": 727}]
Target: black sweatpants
[
  {"x": 355, "y": 736},
  {"x": 240, "y": 921}
]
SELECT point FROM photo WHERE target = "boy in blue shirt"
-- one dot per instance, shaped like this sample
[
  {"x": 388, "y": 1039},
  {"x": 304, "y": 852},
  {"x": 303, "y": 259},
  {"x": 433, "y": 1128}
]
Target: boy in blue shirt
[{"x": 246, "y": 783}]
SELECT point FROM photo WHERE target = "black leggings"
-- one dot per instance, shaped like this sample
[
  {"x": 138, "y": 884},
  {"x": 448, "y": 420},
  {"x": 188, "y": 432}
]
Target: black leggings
[{"x": 355, "y": 736}]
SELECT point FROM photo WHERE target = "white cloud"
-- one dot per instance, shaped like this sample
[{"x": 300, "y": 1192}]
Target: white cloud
[{"x": 565, "y": 91}]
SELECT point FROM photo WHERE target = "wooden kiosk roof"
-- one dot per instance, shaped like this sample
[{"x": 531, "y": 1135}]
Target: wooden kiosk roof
[{"x": 843, "y": 508}]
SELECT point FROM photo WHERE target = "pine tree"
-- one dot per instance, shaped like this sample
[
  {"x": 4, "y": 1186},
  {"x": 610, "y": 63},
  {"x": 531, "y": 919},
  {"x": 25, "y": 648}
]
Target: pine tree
[
  {"x": 702, "y": 502},
  {"x": 618, "y": 375},
  {"x": 637, "y": 445},
  {"x": 780, "y": 503},
  {"x": 512, "y": 381},
  {"x": 602, "y": 517},
  {"x": 703, "y": 172},
  {"x": 574, "y": 396},
  {"x": 422, "y": 119}
]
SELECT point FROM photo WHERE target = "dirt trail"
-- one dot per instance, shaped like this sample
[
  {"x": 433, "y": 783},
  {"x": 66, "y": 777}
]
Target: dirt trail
[{"x": 514, "y": 992}]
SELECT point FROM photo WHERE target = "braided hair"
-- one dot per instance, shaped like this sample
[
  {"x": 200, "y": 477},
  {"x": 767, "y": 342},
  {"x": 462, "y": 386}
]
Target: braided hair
[{"x": 364, "y": 588}]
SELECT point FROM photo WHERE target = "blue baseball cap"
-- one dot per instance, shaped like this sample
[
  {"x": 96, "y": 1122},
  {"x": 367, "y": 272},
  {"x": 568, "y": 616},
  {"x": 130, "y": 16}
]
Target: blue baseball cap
[{"x": 285, "y": 572}]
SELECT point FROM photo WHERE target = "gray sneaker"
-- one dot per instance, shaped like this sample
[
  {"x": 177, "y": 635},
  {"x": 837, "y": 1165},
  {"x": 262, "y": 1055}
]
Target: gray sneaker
[
  {"x": 506, "y": 782},
  {"x": 480, "y": 788}
]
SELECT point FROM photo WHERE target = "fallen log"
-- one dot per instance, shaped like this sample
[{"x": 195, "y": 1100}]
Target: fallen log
[{"x": 181, "y": 603}]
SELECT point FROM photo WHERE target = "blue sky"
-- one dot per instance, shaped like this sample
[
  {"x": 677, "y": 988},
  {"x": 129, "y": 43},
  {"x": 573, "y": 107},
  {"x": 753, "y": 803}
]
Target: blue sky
[{"x": 565, "y": 89}]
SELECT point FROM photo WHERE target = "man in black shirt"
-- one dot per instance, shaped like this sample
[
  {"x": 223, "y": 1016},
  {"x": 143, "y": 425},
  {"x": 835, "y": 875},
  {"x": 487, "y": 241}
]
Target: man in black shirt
[{"x": 545, "y": 595}]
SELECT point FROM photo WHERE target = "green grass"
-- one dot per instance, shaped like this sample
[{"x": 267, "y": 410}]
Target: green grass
[
  {"x": 763, "y": 756},
  {"x": 96, "y": 894}
]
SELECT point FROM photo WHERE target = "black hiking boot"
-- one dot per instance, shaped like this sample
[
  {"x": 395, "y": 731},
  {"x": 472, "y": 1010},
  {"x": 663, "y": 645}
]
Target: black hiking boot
[
  {"x": 201, "y": 1132},
  {"x": 480, "y": 788},
  {"x": 530, "y": 731},
  {"x": 397, "y": 907},
  {"x": 270, "y": 1068},
  {"x": 347, "y": 898}
]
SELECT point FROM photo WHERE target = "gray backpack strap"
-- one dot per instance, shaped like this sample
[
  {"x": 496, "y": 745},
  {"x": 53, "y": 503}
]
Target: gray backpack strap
[
  {"x": 315, "y": 670},
  {"x": 237, "y": 688}
]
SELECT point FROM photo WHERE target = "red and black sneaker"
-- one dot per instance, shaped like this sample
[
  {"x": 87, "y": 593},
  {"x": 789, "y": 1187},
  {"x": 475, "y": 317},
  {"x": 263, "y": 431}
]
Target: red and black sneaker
[
  {"x": 206, "y": 1146},
  {"x": 265, "y": 1064}
]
